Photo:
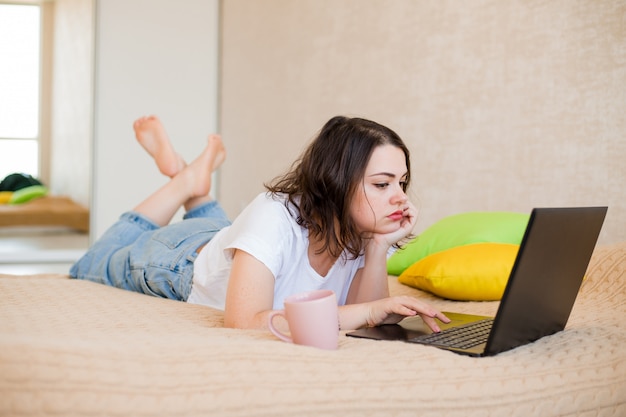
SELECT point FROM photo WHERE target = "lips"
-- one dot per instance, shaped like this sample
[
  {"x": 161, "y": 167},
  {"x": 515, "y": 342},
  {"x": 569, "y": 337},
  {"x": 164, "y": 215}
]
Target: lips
[{"x": 396, "y": 215}]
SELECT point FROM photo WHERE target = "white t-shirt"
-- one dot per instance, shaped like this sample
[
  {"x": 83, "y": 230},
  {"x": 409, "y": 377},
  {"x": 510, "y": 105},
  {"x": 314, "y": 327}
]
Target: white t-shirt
[{"x": 266, "y": 230}]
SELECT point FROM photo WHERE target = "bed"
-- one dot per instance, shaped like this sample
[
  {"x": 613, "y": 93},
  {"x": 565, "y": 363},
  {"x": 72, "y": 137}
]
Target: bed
[{"x": 72, "y": 347}]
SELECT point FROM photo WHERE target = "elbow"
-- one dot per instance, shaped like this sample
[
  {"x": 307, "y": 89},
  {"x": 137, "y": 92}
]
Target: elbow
[
  {"x": 257, "y": 321},
  {"x": 234, "y": 323}
]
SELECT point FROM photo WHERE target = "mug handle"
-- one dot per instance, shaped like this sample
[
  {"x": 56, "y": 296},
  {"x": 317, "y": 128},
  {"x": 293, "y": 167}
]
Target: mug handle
[{"x": 278, "y": 333}]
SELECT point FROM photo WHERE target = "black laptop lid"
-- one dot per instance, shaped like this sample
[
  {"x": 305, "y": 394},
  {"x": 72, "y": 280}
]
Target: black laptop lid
[{"x": 547, "y": 274}]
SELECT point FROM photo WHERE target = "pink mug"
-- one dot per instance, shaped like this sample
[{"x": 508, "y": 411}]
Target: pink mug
[{"x": 312, "y": 318}]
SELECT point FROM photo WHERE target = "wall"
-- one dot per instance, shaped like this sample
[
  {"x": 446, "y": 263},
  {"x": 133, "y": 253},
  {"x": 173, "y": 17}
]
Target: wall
[
  {"x": 153, "y": 57},
  {"x": 504, "y": 105},
  {"x": 71, "y": 111}
]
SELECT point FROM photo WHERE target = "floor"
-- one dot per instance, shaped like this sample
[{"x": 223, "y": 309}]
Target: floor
[{"x": 34, "y": 250}]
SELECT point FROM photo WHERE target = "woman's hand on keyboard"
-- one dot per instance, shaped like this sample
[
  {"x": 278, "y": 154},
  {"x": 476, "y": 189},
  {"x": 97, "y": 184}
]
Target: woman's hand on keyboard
[{"x": 393, "y": 309}]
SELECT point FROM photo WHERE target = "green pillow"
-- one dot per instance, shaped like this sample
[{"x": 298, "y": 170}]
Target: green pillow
[
  {"x": 457, "y": 230},
  {"x": 28, "y": 193}
]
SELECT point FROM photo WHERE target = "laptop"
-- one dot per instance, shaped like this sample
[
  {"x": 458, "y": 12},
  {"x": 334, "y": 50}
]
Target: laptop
[{"x": 548, "y": 271}]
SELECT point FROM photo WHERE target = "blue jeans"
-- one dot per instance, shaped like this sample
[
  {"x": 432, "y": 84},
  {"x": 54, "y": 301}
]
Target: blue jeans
[{"x": 138, "y": 255}]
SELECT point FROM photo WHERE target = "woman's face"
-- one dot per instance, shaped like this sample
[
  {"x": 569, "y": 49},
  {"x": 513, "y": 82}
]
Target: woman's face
[{"x": 380, "y": 200}]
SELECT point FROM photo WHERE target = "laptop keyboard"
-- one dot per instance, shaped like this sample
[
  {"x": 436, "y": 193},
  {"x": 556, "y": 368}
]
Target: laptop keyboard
[{"x": 462, "y": 337}]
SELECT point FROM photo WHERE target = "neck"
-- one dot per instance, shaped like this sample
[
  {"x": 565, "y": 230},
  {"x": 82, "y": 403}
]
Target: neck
[{"x": 320, "y": 260}]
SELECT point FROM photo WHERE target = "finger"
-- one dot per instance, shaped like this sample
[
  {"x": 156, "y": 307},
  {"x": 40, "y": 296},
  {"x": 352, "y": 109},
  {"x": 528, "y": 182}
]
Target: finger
[
  {"x": 409, "y": 215},
  {"x": 424, "y": 308},
  {"x": 430, "y": 322},
  {"x": 411, "y": 211},
  {"x": 404, "y": 310},
  {"x": 428, "y": 314},
  {"x": 442, "y": 317}
]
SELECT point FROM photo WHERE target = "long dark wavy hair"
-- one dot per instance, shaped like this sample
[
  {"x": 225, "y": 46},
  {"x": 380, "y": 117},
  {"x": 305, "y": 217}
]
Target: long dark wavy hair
[{"x": 322, "y": 182}]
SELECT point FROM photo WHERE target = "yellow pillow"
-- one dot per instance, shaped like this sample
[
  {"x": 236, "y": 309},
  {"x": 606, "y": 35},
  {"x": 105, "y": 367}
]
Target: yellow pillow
[
  {"x": 474, "y": 272},
  {"x": 5, "y": 196}
]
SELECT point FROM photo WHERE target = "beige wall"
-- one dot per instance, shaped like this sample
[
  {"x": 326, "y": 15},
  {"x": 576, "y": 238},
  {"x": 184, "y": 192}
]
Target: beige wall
[
  {"x": 152, "y": 57},
  {"x": 504, "y": 105}
]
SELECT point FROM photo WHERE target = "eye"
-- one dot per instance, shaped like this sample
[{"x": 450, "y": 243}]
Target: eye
[{"x": 382, "y": 185}]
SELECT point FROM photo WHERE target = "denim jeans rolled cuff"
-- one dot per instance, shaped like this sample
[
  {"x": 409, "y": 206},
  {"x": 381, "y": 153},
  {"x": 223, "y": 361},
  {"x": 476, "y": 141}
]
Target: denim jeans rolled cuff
[
  {"x": 93, "y": 265},
  {"x": 138, "y": 220},
  {"x": 137, "y": 255},
  {"x": 210, "y": 209}
]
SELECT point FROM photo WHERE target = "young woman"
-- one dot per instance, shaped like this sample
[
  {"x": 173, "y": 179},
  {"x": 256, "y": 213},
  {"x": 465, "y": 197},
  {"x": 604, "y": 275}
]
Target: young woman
[{"x": 327, "y": 223}]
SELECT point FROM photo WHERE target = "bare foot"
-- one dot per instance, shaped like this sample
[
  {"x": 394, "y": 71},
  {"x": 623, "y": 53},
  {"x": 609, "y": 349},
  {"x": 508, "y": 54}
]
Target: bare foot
[
  {"x": 152, "y": 136},
  {"x": 218, "y": 149},
  {"x": 198, "y": 172}
]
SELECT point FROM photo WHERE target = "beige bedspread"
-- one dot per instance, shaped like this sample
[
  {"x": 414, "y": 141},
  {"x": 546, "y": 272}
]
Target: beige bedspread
[{"x": 76, "y": 348}]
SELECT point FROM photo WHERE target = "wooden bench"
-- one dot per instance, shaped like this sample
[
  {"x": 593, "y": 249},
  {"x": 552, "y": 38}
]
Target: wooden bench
[{"x": 46, "y": 211}]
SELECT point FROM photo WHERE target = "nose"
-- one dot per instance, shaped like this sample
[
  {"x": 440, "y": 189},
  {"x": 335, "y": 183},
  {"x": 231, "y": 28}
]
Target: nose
[{"x": 399, "y": 197}]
